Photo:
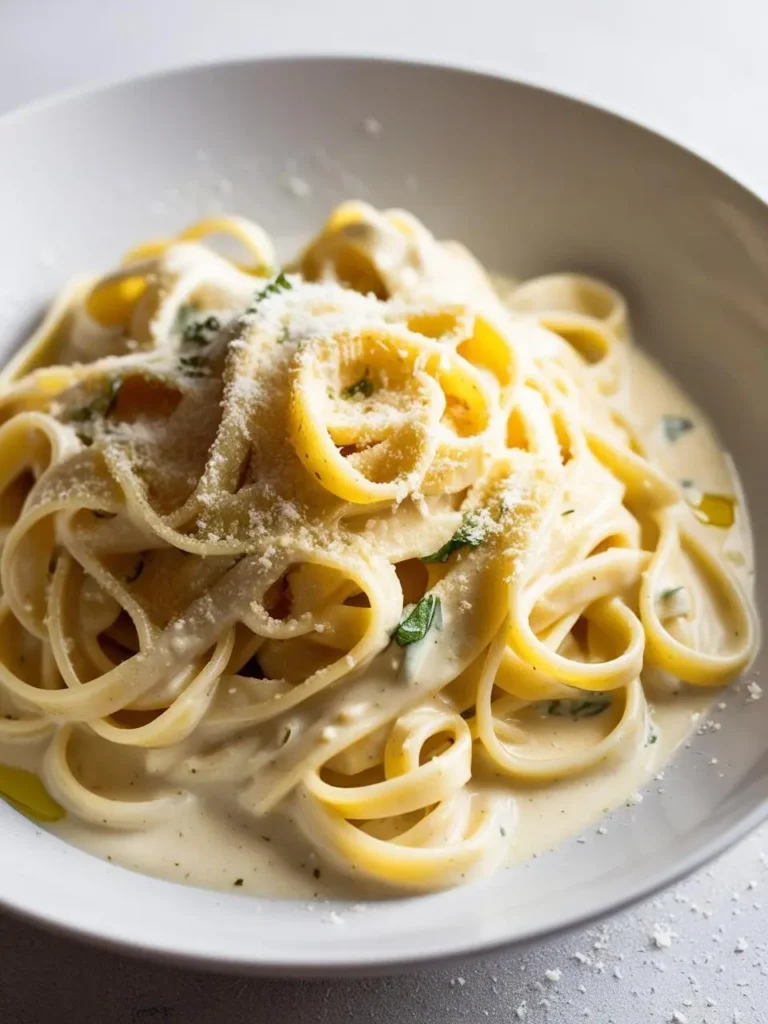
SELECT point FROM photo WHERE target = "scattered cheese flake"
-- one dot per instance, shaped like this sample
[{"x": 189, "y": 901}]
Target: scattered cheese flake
[
  {"x": 553, "y": 975},
  {"x": 662, "y": 936}
]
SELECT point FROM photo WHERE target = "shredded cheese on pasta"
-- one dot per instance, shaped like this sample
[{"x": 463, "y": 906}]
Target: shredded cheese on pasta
[{"x": 329, "y": 535}]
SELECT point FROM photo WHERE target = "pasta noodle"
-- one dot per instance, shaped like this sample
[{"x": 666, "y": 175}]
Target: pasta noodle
[{"x": 337, "y": 537}]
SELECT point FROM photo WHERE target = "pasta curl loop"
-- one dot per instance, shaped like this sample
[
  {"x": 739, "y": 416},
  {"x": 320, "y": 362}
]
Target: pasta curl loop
[{"x": 366, "y": 546}]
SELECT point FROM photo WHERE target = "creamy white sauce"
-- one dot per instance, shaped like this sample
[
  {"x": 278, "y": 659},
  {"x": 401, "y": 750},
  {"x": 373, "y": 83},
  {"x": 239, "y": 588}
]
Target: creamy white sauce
[{"x": 212, "y": 842}]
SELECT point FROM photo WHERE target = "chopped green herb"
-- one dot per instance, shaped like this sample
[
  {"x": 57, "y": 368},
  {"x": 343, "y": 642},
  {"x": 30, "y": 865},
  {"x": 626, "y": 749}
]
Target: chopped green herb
[
  {"x": 238, "y": 881},
  {"x": 652, "y": 737},
  {"x": 363, "y": 387},
  {"x": 138, "y": 570},
  {"x": 101, "y": 513},
  {"x": 84, "y": 438},
  {"x": 568, "y": 512},
  {"x": 193, "y": 361},
  {"x": 280, "y": 284},
  {"x": 316, "y": 872},
  {"x": 687, "y": 483},
  {"x": 101, "y": 405},
  {"x": 194, "y": 365},
  {"x": 470, "y": 534},
  {"x": 595, "y": 704},
  {"x": 418, "y": 622},
  {"x": 675, "y": 426},
  {"x": 284, "y": 335},
  {"x": 670, "y": 592},
  {"x": 114, "y": 390},
  {"x": 199, "y": 332}
]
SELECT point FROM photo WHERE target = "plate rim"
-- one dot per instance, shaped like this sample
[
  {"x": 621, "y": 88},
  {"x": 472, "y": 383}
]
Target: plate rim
[{"x": 448, "y": 950}]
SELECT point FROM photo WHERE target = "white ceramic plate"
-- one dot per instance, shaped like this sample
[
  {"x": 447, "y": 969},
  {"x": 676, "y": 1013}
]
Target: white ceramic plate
[{"x": 532, "y": 182}]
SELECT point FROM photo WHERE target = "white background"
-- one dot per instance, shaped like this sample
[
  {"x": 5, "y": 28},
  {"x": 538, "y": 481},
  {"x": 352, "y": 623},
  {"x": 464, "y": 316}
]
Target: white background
[{"x": 696, "y": 70}]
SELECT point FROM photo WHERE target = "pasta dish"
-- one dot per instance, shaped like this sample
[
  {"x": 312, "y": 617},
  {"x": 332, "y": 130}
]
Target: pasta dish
[{"x": 347, "y": 563}]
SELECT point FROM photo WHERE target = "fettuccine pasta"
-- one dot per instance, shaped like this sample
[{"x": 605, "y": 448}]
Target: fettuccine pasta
[{"x": 341, "y": 543}]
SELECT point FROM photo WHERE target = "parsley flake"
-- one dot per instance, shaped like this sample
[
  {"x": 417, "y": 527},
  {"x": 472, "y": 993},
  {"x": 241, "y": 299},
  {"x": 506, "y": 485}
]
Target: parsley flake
[
  {"x": 470, "y": 534},
  {"x": 199, "y": 332},
  {"x": 595, "y": 704},
  {"x": 675, "y": 426},
  {"x": 363, "y": 387},
  {"x": 280, "y": 284}
]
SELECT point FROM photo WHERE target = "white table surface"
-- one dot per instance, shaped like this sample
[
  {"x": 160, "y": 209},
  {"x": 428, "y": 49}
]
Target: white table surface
[{"x": 693, "y": 69}]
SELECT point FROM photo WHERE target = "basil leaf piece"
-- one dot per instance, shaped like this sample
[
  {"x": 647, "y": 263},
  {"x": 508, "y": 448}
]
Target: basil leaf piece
[{"x": 417, "y": 624}]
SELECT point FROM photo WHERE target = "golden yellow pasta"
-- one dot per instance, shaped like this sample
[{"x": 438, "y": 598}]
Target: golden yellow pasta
[{"x": 333, "y": 539}]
